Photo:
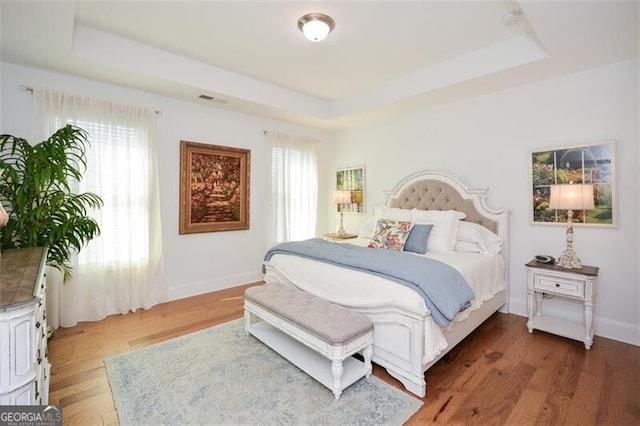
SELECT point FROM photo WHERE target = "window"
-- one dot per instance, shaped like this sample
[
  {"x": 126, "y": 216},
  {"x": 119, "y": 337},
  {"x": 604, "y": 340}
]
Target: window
[
  {"x": 118, "y": 160},
  {"x": 294, "y": 187}
]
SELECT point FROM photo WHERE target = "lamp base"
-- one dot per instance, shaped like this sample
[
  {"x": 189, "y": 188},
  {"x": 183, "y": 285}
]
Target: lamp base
[
  {"x": 341, "y": 230},
  {"x": 569, "y": 260}
]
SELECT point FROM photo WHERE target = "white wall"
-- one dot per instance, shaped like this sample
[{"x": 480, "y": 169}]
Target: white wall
[
  {"x": 194, "y": 263},
  {"x": 487, "y": 142}
]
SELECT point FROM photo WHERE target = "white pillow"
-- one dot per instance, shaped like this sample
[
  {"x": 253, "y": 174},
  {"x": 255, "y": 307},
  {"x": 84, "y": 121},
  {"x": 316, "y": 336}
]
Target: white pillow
[
  {"x": 445, "y": 228},
  {"x": 488, "y": 242},
  {"x": 468, "y": 247},
  {"x": 393, "y": 213},
  {"x": 367, "y": 228}
]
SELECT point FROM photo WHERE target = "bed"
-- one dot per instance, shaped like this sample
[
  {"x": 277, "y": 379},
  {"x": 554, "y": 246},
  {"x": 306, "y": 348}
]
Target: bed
[{"x": 408, "y": 340}]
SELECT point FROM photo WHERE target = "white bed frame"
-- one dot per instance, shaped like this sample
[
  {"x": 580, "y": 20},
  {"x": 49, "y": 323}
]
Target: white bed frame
[{"x": 399, "y": 332}]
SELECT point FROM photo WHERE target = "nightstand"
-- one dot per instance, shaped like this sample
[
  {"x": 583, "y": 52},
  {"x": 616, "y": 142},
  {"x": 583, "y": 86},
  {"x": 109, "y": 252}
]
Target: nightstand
[
  {"x": 340, "y": 237},
  {"x": 578, "y": 284}
]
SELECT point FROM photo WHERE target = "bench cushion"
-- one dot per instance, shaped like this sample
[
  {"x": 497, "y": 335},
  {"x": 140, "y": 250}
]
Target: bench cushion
[{"x": 332, "y": 323}]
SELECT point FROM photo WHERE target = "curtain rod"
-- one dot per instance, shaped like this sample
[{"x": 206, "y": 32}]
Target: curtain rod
[
  {"x": 26, "y": 88},
  {"x": 314, "y": 139}
]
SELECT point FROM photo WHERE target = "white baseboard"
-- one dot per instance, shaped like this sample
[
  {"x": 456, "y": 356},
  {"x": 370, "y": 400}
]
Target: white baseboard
[
  {"x": 616, "y": 330},
  {"x": 604, "y": 327},
  {"x": 219, "y": 283}
]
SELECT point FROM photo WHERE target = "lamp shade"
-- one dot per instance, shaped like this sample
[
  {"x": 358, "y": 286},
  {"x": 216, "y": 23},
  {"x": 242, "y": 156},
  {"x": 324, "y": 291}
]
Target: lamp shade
[
  {"x": 341, "y": 197},
  {"x": 571, "y": 197}
]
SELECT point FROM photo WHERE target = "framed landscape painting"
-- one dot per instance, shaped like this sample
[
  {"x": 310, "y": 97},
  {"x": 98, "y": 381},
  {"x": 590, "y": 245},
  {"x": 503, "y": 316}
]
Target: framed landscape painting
[
  {"x": 585, "y": 164},
  {"x": 351, "y": 180},
  {"x": 214, "y": 188}
]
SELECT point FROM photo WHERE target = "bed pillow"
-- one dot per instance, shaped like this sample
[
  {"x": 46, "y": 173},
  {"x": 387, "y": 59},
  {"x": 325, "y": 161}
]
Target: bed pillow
[
  {"x": 390, "y": 234},
  {"x": 468, "y": 247},
  {"x": 488, "y": 242},
  {"x": 393, "y": 213},
  {"x": 418, "y": 237},
  {"x": 442, "y": 238},
  {"x": 367, "y": 228}
]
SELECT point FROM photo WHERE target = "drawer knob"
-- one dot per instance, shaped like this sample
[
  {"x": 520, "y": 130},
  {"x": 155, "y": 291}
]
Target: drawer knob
[{"x": 557, "y": 285}]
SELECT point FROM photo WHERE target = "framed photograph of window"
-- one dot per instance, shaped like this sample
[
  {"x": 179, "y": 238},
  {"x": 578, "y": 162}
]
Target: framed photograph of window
[
  {"x": 585, "y": 164},
  {"x": 352, "y": 180},
  {"x": 214, "y": 188}
]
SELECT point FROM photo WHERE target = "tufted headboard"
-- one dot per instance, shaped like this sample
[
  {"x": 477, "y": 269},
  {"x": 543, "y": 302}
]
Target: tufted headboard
[
  {"x": 438, "y": 195},
  {"x": 436, "y": 190}
]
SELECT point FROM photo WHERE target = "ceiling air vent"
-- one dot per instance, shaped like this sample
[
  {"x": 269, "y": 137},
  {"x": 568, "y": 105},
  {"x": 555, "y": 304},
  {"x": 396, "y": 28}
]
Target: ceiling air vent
[{"x": 211, "y": 98}]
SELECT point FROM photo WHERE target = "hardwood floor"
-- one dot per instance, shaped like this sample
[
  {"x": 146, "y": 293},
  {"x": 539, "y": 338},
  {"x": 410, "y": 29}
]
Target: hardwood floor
[{"x": 500, "y": 374}]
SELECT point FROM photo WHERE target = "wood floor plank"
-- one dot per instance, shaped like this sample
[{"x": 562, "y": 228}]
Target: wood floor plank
[
  {"x": 562, "y": 389},
  {"x": 95, "y": 410},
  {"x": 619, "y": 402},
  {"x": 506, "y": 388},
  {"x": 500, "y": 374},
  {"x": 80, "y": 377},
  {"x": 527, "y": 409},
  {"x": 542, "y": 380},
  {"x": 442, "y": 405},
  {"x": 583, "y": 407}
]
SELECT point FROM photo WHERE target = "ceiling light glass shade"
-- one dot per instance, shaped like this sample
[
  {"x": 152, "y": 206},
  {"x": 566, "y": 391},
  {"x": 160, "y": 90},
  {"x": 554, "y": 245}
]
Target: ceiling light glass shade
[{"x": 316, "y": 26}]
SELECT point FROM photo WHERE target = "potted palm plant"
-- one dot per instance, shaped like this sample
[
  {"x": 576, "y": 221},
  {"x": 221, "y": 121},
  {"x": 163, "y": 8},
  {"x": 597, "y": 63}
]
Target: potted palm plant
[{"x": 35, "y": 189}]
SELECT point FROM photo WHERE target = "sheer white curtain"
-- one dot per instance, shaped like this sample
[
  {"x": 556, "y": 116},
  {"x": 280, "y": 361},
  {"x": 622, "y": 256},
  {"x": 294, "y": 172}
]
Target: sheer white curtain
[
  {"x": 294, "y": 187},
  {"x": 122, "y": 269}
]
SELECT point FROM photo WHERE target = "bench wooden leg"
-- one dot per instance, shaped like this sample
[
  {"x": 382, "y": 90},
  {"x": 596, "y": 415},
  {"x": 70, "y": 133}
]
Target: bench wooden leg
[
  {"x": 368, "y": 353},
  {"x": 247, "y": 321},
  {"x": 337, "y": 370}
]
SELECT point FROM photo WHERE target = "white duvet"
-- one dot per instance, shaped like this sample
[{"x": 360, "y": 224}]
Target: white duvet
[{"x": 484, "y": 274}]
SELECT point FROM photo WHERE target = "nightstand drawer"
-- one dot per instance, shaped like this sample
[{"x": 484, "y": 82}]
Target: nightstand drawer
[{"x": 566, "y": 286}]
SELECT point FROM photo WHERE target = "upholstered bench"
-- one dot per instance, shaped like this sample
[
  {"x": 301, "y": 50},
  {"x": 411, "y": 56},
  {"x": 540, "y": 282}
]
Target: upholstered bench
[{"x": 308, "y": 331}]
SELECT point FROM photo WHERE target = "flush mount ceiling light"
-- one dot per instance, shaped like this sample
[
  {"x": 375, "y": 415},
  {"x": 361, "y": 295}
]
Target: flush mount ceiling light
[
  {"x": 511, "y": 18},
  {"x": 316, "y": 26}
]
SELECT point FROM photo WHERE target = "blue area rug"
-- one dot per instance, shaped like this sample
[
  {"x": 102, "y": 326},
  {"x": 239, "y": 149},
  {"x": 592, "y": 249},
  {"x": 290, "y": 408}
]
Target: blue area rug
[{"x": 222, "y": 376}]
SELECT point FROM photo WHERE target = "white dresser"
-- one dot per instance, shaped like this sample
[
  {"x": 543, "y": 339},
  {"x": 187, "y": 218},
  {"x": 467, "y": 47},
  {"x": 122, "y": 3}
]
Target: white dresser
[{"x": 24, "y": 368}]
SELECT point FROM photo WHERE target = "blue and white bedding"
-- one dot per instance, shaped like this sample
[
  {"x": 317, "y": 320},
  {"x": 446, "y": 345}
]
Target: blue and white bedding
[
  {"x": 361, "y": 290},
  {"x": 444, "y": 290}
]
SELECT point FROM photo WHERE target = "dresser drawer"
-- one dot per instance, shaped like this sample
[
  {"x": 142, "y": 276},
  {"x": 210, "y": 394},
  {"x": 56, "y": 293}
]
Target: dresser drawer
[{"x": 557, "y": 285}]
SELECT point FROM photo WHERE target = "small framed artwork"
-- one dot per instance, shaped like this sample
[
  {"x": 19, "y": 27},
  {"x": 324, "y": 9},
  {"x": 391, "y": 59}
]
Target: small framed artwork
[
  {"x": 351, "y": 180},
  {"x": 214, "y": 188},
  {"x": 592, "y": 164}
]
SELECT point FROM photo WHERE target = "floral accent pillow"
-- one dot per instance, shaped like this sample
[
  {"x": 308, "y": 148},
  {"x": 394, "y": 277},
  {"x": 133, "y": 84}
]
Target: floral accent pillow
[{"x": 390, "y": 234}]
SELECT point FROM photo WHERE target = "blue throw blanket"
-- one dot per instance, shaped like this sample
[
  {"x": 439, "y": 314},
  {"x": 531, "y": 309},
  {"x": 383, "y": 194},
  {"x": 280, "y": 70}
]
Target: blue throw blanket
[{"x": 443, "y": 288}]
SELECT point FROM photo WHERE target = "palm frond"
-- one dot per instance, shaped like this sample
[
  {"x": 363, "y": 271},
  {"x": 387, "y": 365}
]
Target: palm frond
[{"x": 35, "y": 188}]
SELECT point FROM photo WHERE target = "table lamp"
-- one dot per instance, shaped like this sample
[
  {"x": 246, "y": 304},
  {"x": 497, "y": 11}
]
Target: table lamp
[
  {"x": 570, "y": 197},
  {"x": 341, "y": 198}
]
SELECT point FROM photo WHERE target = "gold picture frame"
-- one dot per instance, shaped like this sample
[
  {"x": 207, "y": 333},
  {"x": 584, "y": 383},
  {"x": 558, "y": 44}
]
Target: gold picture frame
[{"x": 214, "y": 188}]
